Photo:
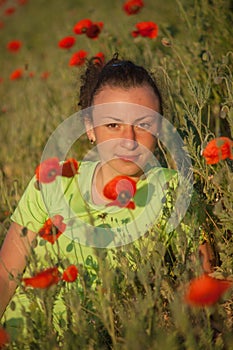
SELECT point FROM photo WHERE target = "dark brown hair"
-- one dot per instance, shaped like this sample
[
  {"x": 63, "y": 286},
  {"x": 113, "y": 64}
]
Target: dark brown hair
[{"x": 117, "y": 73}]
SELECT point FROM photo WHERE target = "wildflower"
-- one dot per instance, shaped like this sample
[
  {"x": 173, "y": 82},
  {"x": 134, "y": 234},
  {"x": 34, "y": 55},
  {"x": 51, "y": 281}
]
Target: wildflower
[
  {"x": 94, "y": 30},
  {"x": 16, "y": 74},
  {"x": 48, "y": 170},
  {"x": 206, "y": 290},
  {"x": 52, "y": 228},
  {"x": 4, "y": 337},
  {"x": 31, "y": 74},
  {"x": 99, "y": 58},
  {"x": 82, "y": 26},
  {"x": 43, "y": 279},
  {"x": 78, "y": 58},
  {"x": 9, "y": 11},
  {"x": 14, "y": 46},
  {"x": 132, "y": 7},
  {"x": 86, "y": 26},
  {"x": 146, "y": 29},
  {"x": 121, "y": 189},
  {"x": 70, "y": 274},
  {"x": 1, "y": 24},
  {"x": 67, "y": 42},
  {"x": 1, "y": 80},
  {"x": 45, "y": 75},
  {"x": 69, "y": 167},
  {"x": 218, "y": 149}
]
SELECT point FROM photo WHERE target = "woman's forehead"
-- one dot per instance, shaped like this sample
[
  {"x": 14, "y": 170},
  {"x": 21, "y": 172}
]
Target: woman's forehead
[
  {"x": 123, "y": 112},
  {"x": 139, "y": 95}
]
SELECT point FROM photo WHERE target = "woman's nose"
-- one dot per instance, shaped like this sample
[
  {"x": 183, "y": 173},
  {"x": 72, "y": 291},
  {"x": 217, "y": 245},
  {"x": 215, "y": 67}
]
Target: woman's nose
[{"x": 128, "y": 137}]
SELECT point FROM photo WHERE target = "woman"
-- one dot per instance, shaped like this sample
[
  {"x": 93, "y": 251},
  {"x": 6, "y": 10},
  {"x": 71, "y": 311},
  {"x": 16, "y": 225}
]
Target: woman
[{"x": 105, "y": 203}]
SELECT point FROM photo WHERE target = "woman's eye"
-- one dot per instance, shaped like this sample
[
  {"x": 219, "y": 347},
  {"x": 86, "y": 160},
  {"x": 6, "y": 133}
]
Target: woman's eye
[
  {"x": 144, "y": 126},
  {"x": 112, "y": 125}
]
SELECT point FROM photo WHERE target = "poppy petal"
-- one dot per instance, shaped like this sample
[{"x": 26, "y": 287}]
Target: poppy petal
[
  {"x": 43, "y": 279},
  {"x": 16, "y": 74},
  {"x": 48, "y": 170},
  {"x": 206, "y": 290},
  {"x": 132, "y": 7},
  {"x": 120, "y": 189},
  {"x": 14, "y": 45},
  {"x": 69, "y": 167},
  {"x": 70, "y": 274},
  {"x": 218, "y": 149},
  {"x": 52, "y": 228},
  {"x": 81, "y": 26},
  {"x": 78, "y": 58},
  {"x": 66, "y": 42},
  {"x": 146, "y": 29},
  {"x": 4, "y": 337}
]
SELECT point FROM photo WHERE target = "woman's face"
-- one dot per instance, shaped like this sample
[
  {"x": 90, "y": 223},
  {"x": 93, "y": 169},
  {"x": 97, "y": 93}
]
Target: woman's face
[{"x": 124, "y": 126}]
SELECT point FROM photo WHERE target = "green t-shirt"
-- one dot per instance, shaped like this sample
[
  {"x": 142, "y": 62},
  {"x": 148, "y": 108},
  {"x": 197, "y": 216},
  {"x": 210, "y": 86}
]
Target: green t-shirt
[
  {"x": 93, "y": 225},
  {"x": 89, "y": 226}
]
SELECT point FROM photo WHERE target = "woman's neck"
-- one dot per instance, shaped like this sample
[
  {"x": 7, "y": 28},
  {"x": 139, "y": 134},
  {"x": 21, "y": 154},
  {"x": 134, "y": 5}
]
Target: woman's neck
[{"x": 98, "y": 184}]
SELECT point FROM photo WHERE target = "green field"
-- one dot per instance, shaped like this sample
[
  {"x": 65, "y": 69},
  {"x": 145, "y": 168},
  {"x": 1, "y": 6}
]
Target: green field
[{"x": 192, "y": 58}]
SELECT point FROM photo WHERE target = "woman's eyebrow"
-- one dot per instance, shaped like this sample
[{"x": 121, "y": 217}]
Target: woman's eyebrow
[
  {"x": 145, "y": 117},
  {"x": 113, "y": 118},
  {"x": 122, "y": 120}
]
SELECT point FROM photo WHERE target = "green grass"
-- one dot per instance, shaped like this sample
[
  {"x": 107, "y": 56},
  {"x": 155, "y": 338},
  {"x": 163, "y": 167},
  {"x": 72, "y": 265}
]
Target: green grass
[{"x": 140, "y": 309}]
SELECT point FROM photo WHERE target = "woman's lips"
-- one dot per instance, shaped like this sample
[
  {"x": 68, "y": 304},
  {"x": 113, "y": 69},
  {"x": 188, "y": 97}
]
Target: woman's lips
[{"x": 128, "y": 158}]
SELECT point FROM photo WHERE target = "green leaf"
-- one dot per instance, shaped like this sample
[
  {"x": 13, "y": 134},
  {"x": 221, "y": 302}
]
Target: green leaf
[{"x": 69, "y": 247}]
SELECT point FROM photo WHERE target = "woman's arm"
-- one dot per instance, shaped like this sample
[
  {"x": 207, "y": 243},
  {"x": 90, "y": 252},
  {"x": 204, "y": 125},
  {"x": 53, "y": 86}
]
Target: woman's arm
[
  {"x": 207, "y": 257},
  {"x": 13, "y": 254}
]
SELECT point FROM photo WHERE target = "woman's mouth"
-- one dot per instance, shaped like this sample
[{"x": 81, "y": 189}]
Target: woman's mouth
[{"x": 128, "y": 158}]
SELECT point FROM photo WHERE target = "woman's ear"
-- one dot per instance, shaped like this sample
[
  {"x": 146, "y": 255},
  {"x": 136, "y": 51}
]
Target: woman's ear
[{"x": 89, "y": 129}]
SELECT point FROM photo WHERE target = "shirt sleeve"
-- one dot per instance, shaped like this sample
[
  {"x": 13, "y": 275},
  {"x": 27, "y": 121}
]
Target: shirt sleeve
[{"x": 31, "y": 211}]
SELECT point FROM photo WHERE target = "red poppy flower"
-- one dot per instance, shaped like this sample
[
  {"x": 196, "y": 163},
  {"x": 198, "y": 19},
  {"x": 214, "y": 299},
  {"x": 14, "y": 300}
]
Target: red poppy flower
[
  {"x": 16, "y": 74},
  {"x": 52, "y": 228},
  {"x": 81, "y": 26},
  {"x": 70, "y": 274},
  {"x": 94, "y": 30},
  {"x": 146, "y": 29},
  {"x": 14, "y": 46},
  {"x": 121, "y": 189},
  {"x": 1, "y": 80},
  {"x": 9, "y": 11},
  {"x": 48, "y": 170},
  {"x": 69, "y": 167},
  {"x": 45, "y": 75},
  {"x": 218, "y": 149},
  {"x": 43, "y": 279},
  {"x": 31, "y": 74},
  {"x": 67, "y": 42},
  {"x": 78, "y": 58},
  {"x": 132, "y": 7},
  {"x": 1, "y": 24},
  {"x": 4, "y": 337},
  {"x": 206, "y": 290},
  {"x": 99, "y": 58}
]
